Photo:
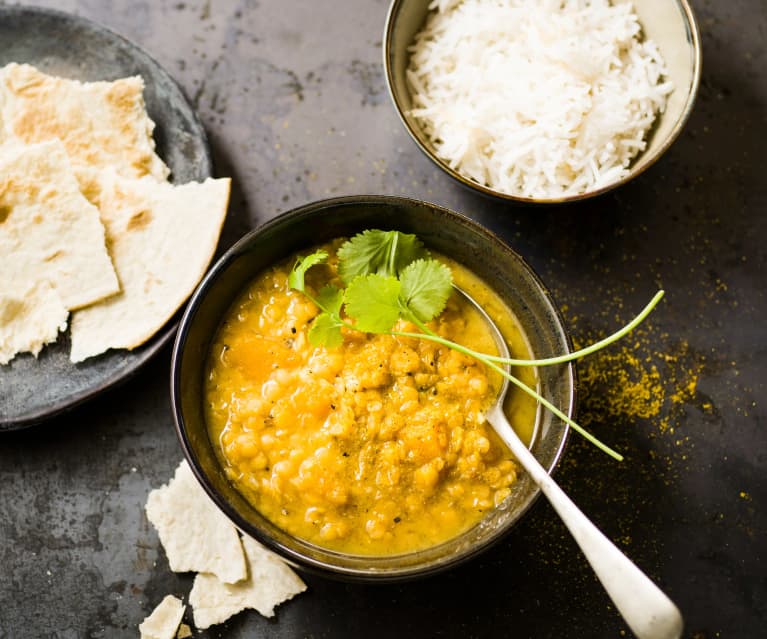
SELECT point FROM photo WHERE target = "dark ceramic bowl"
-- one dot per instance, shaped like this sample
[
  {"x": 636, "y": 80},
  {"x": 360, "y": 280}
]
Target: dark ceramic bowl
[
  {"x": 669, "y": 23},
  {"x": 442, "y": 230}
]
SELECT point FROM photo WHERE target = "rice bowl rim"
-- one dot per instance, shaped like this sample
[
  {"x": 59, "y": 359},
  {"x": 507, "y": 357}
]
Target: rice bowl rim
[{"x": 635, "y": 168}]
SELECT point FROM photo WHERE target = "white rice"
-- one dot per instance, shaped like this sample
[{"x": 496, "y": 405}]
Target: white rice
[{"x": 536, "y": 98}]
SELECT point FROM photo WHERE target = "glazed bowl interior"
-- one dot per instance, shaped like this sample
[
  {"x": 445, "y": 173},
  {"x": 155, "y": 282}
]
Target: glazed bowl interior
[
  {"x": 670, "y": 23},
  {"x": 440, "y": 229}
]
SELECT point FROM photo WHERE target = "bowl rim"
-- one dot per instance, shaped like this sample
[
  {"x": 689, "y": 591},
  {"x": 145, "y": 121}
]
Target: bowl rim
[
  {"x": 290, "y": 555},
  {"x": 693, "y": 34}
]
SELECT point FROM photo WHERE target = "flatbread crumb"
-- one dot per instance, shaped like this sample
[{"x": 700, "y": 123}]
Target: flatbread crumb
[
  {"x": 190, "y": 528},
  {"x": 53, "y": 255},
  {"x": 164, "y": 620},
  {"x": 49, "y": 232},
  {"x": 196, "y": 535},
  {"x": 270, "y": 583},
  {"x": 184, "y": 632},
  {"x": 161, "y": 238},
  {"x": 30, "y": 319},
  {"x": 100, "y": 123}
]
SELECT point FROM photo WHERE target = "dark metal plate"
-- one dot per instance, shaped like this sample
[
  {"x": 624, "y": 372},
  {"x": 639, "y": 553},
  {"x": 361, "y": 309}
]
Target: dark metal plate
[{"x": 62, "y": 44}]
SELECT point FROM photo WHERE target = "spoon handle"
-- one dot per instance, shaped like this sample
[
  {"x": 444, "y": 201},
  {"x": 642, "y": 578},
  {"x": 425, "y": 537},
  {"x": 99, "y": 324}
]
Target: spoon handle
[{"x": 646, "y": 609}]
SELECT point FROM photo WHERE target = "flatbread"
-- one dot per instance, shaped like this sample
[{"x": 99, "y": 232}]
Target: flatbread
[
  {"x": 30, "y": 319},
  {"x": 48, "y": 231},
  {"x": 161, "y": 238},
  {"x": 100, "y": 123},
  {"x": 164, "y": 620},
  {"x": 194, "y": 532},
  {"x": 270, "y": 582}
]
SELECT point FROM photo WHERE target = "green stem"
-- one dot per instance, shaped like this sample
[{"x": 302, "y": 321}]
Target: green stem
[
  {"x": 561, "y": 359},
  {"x": 392, "y": 254},
  {"x": 487, "y": 360},
  {"x": 492, "y": 361},
  {"x": 339, "y": 320},
  {"x": 574, "y": 425}
]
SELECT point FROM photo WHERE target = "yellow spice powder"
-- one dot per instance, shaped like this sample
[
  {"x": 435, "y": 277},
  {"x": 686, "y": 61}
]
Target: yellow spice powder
[{"x": 633, "y": 381}]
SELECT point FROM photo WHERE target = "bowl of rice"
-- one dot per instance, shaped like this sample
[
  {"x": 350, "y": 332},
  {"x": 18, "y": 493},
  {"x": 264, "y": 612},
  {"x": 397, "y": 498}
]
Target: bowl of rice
[{"x": 542, "y": 101}]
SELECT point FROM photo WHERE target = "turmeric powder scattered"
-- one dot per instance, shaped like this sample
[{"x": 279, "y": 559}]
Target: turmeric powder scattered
[{"x": 624, "y": 383}]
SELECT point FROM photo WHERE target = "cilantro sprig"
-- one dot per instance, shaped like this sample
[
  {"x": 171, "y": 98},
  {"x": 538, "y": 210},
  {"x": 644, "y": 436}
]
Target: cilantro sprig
[{"x": 390, "y": 276}]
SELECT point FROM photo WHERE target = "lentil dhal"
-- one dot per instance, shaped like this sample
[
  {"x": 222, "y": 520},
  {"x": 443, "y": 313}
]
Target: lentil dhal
[{"x": 376, "y": 447}]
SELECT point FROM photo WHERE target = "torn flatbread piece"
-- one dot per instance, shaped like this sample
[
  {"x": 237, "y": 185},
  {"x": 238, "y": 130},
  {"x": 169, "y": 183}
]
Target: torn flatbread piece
[
  {"x": 49, "y": 232},
  {"x": 161, "y": 238},
  {"x": 164, "y": 620},
  {"x": 194, "y": 532},
  {"x": 30, "y": 319},
  {"x": 270, "y": 582},
  {"x": 100, "y": 123}
]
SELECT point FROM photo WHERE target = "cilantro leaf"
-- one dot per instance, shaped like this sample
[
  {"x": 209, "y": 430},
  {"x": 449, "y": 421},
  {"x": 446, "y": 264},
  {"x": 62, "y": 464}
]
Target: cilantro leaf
[
  {"x": 330, "y": 299},
  {"x": 326, "y": 331},
  {"x": 373, "y": 301},
  {"x": 375, "y": 251},
  {"x": 426, "y": 287},
  {"x": 303, "y": 264},
  {"x": 326, "y": 328},
  {"x": 407, "y": 249}
]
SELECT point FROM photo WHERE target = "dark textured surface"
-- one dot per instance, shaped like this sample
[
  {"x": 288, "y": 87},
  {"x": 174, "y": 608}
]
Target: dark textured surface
[
  {"x": 293, "y": 99},
  {"x": 76, "y": 48}
]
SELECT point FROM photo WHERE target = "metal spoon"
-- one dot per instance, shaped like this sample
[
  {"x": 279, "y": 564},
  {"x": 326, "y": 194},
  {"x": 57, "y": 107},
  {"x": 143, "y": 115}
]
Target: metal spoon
[{"x": 646, "y": 609}]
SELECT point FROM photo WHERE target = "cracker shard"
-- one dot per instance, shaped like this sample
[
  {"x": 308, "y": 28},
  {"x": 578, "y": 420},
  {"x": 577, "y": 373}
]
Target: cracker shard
[
  {"x": 53, "y": 255},
  {"x": 164, "y": 620},
  {"x": 29, "y": 319},
  {"x": 161, "y": 238},
  {"x": 100, "y": 123},
  {"x": 194, "y": 532},
  {"x": 270, "y": 583},
  {"x": 50, "y": 232}
]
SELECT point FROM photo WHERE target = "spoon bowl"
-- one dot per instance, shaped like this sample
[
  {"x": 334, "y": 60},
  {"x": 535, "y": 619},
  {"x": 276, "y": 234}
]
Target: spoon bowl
[{"x": 646, "y": 609}]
